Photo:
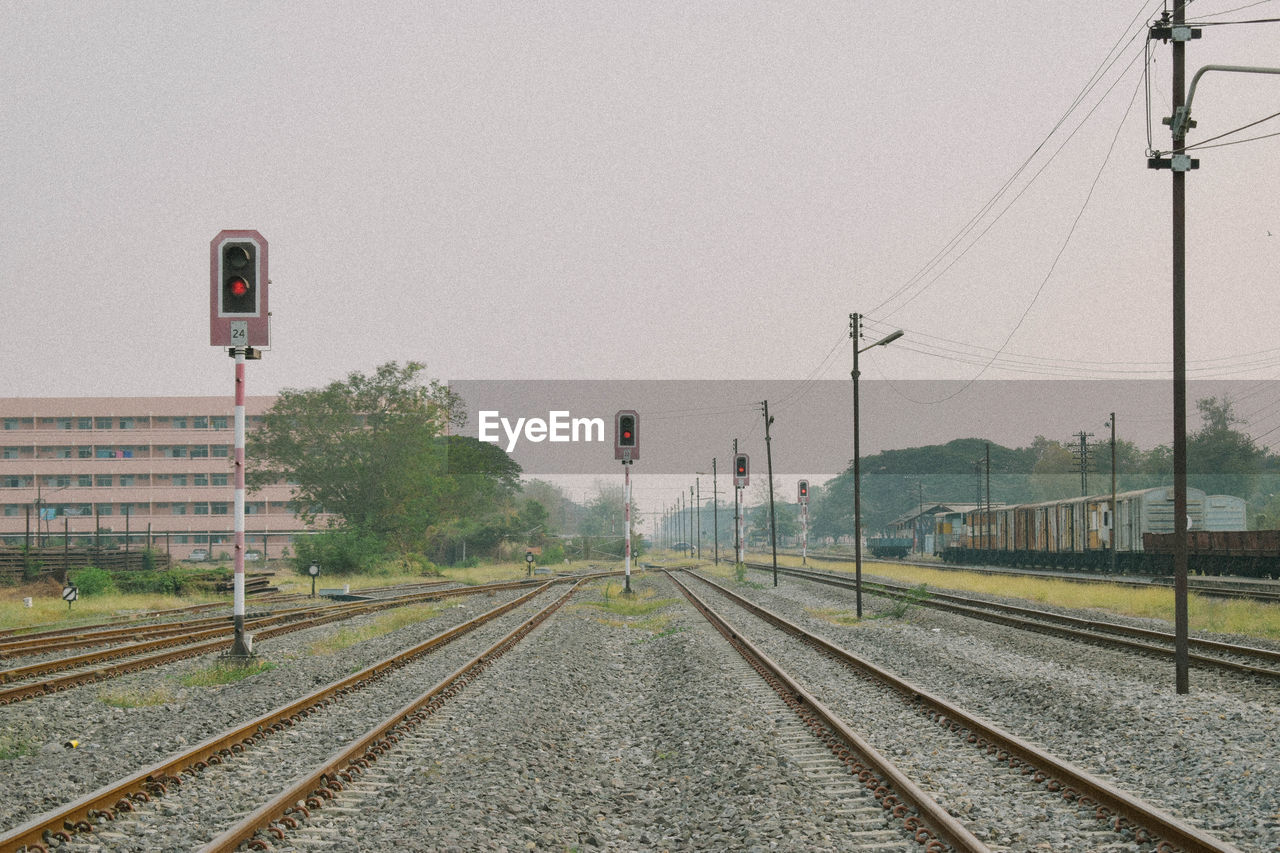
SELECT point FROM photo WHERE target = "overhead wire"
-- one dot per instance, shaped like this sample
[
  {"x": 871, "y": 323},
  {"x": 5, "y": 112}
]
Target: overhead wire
[{"x": 972, "y": 224}]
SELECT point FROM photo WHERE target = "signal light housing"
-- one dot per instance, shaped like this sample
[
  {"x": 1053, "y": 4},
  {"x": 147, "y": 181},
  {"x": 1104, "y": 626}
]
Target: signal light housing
[
  {"x": 802, "y": 492},
  {"x": 626, "y": 435},
  {"x": 238, "y": 312},
  {"x": 741, "y": 470}
]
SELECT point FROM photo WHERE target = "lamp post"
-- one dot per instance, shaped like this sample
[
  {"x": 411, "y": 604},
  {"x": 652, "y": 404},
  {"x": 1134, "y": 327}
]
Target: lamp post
[{"x": 855, "y": 330}]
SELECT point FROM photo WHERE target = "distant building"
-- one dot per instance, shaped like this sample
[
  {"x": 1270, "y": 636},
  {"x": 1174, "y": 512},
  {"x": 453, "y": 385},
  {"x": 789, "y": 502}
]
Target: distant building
[{"x": 161, "y": 465}]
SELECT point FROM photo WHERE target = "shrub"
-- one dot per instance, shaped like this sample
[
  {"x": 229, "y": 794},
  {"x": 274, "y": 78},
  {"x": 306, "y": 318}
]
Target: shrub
[
  {"x": 339, "y": 551},
  {"x": 166, "y": 583},
  {"x": 92, "y": 581}
]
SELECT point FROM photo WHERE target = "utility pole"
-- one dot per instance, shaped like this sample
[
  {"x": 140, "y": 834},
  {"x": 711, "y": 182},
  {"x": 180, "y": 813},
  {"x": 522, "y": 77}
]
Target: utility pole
[
  {"x": 1081, "y": 451},
  {"x": 698, "y": 483},
  {"x": 715, "y": 509},
  {"x": 692, "y": 548},
  {"x": 989, "y": 519},
  {"x": 768, "y": 452},
  {"x": 737, "y": 520},
  {"x": 1111, "y": 422},
  {"x": 1175, "y": 29}
]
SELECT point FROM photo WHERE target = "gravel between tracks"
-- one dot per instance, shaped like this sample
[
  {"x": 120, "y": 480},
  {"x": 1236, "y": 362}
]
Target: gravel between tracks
[
  {"x": 1211, "y": 757},
  {"x": 581, "y": 748}
]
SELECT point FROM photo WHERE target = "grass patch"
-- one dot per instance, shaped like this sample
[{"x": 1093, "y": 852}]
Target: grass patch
[
  {"x": 225, "y": 672},
  {"x": 1215, "y": 615},
  {"x": 833, "y": 616},
  {"x": 382, "y": 624},
  {"x": 13, "y": 746},
  {"x": 638, "y": 611},
  {"x": 48, "y": 609},
  {"x": 136, "y": 697}
]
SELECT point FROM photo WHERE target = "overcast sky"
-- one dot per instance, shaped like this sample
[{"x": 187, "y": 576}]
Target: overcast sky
[{"x": 629, "y": 190}]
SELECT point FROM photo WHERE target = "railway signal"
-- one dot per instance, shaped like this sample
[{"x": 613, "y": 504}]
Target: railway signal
[
  {"x": 741, "y": 470},
  {"x": 240, "y": 321},
  {"x": 238, "y": 314},
  {"x": 626, "y": 437},
  {"x": 626, "y": 446},
  {"x": 802, "y": 496}
]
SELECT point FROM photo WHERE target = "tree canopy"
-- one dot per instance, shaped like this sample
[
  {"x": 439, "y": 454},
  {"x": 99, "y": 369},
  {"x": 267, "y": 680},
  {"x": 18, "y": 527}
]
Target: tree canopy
[{"x": 372, "y": 453}]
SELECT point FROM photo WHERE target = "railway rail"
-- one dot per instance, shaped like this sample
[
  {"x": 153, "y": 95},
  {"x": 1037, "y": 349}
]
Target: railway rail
[
  {"x": 1046, "y": 774},
  {"x": 50, "y": 676},
  {"x": 1243, "y": 660},
  {"x": 1216, "y": 587},
  {"x": 265, "y": 747}
]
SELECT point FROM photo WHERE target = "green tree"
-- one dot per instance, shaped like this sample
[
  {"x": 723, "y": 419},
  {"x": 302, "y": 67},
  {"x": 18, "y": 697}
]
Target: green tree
[
  {"x": 1220, "y": 458},
  {"x": 372, "y": 451}
]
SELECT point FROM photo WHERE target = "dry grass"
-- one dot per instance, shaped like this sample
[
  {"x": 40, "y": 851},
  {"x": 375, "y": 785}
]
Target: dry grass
[
  {"x": 1214, "y": 615},
  {"x": 48, "y": 608},
  {"x": 384, "y": 623}
]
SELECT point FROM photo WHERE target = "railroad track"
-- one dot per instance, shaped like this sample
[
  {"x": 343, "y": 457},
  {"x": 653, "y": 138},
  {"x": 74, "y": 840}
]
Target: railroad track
[
  {"x": 217, "y": 786},
  {"x": 63, "y": 673},
  {"x": 951, "y": 747},
  {"x": 1247, "y": 588},
  {"x": 1242, "y": 660}
]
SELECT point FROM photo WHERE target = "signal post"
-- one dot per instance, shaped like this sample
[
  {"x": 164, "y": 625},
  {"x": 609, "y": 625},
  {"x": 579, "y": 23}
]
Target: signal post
[
  {"x": 802, "y": 495},
  {"x": 741, "y": 479},
  {"x": 239, "y": 320},
  {"x": 626, "y": 446}
]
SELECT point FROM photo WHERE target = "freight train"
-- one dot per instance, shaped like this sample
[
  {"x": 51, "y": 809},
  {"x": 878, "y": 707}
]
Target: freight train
[{"x": 1080, "y": 534}]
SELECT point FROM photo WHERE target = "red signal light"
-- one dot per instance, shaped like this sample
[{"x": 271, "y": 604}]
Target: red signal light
[{"x": 239, "y": 287}]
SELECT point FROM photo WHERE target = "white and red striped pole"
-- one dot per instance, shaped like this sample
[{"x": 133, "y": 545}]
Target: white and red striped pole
[
  {"x": 804, "y": 553},
  {"x": 626, "y": 470},
  {"x": 240, "y": 648}
]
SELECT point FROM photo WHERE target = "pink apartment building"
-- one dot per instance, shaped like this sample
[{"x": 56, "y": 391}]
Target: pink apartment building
[{"x": 158, "y": 464}]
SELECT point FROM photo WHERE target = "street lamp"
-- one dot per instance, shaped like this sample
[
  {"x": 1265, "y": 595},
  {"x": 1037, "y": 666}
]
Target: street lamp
[{"x": 855, "y": 329}]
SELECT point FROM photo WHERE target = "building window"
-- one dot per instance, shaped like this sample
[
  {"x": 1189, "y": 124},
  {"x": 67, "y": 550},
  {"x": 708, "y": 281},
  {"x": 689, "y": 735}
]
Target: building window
[
  {"x": 177, "y": 452},
  {"x": 126, "y": 480},
  {"x": 179, "y": 479},
  {"x": 11, "y": 453},
  {"x": 220, "y": 422},
  {"x": 102, "y": 423},
  {"x": 10, "y": 423},
  {"x": 179, "y": 423},
  {"x": 219, "y": 479},
  {"x": 84, "y": 452},
  {"x": 64, "y": 423},
  {"x": 200, "y": 509},
  {"x": 12, "y": 509},
  {"x": 200, "y": 479},
  {"x": 61, "y": 481},
  {"x": 200, "y": 451},
  {"x": 103, "y": 480},
  {"x": 220, "y": 450},
  {"x": 127, "y": 423},
  {"x": 199, "y": 423},
  {"x": 84, "y": 480},
  {"x": 179, "y": 509},
  {"x": 104, "y": 509},
  {"x": 84, "y": 423},
  {"x": 218, "y": 508}
]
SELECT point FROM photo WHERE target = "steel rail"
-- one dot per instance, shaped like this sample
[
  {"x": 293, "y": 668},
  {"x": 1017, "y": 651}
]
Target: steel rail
[
  {"x": 324, "y": 782},
  {"x": 182, "y": 647},
  {"x": 938, "y": 823},
  {"x": 1037, "y": 623},
  {"x": 1150, "y": 581},
  {"x": 107, "y": 801},
  {"x": 1006, "y": 746}
]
